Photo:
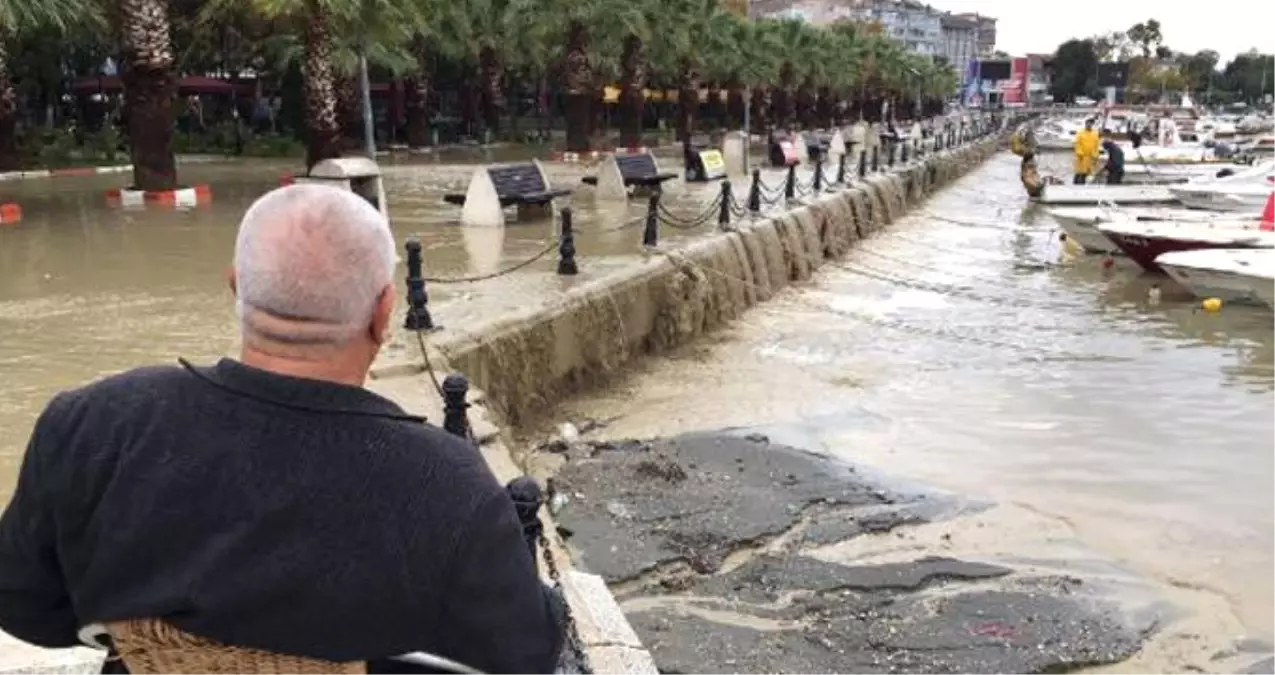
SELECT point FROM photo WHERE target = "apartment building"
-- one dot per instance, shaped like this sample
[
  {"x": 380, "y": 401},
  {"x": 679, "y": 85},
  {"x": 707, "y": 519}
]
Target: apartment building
[{"x": 916, "y": 25}]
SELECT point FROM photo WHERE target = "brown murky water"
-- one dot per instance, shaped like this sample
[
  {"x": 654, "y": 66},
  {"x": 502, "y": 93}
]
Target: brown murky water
[
  {"x": 87, "y": 290},
  {"x": 1120, "y": 440},
  {"x": 989, "y": 363}
]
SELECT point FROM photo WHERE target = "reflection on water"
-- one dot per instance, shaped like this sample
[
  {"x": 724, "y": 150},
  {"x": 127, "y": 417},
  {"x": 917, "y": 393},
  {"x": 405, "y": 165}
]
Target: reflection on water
[{"x": 965, "y": 348}]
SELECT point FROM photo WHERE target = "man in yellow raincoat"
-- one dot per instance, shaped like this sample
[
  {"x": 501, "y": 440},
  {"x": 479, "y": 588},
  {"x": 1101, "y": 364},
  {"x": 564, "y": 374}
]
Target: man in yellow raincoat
[{"x": 1086, "y": 147}]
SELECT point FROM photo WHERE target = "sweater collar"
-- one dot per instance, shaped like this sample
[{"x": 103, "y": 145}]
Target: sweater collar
[{"x": 297, "y": 392}]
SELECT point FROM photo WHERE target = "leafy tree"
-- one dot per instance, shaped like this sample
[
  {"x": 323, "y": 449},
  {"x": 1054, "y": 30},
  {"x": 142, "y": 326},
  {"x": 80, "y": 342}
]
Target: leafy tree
[
  {"x": 1198, "y": 69},
  {"x": 1249, "y": 75},
  {"x": 1075, "y": 70},
  {"x": 1146, "y": 35}
]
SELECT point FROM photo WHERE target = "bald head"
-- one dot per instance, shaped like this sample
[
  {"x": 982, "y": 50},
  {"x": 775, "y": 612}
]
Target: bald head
[{"x": 311, "y": 266}]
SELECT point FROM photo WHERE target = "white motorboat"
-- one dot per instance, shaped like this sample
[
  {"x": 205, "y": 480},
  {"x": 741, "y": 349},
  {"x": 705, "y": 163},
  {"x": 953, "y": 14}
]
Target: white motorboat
[
  {"x": 1092, "y": 194},
  {"x": 1229, "y": 274},
  {"x": 1080, "y": 223},
  {"x": 1243, "y": 192},
  {"x": 1214, "y": 127},
  {"x": 1139, "y": 173}
]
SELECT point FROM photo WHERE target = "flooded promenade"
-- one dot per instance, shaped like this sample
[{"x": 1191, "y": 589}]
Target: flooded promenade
[
  {"x": 962, "y": 349},
  {"x": 1114, "y": 440},
  {"x": 87, "y": 290}
]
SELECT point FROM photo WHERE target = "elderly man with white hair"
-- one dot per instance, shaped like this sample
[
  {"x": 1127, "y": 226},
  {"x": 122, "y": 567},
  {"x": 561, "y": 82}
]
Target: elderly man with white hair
[{"x": 272, "y": 502}]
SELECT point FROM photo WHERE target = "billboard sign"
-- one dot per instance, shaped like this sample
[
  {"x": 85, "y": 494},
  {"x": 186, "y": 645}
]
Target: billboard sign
[{"x": 1013, "y": 89}]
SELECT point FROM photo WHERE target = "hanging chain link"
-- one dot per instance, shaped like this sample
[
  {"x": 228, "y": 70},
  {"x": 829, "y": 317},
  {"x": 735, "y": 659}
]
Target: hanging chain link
[{"x": 573, "y": 649}]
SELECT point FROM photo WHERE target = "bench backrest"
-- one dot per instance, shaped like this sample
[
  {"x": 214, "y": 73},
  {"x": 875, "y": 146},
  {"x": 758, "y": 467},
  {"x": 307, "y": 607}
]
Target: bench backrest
[
  {"x": 522, "y": 178},
  {"x": 640, "y": 165}
]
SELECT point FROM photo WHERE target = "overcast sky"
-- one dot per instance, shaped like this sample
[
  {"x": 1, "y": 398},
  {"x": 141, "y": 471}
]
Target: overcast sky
[{"x": 1226, "y": 26}]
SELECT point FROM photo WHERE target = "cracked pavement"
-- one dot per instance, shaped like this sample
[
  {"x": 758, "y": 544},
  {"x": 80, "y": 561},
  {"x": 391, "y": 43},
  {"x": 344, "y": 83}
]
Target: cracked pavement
[{"x": 705, "y": 540}]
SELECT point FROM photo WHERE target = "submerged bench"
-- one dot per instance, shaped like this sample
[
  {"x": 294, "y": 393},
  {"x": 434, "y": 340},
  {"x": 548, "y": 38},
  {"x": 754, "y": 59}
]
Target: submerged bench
[
  {"x": 618, "y": 173},
  {"x": 493, "y": 188}
]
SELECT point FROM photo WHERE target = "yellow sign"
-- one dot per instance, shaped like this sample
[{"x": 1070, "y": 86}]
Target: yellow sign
[{"x": 714, "y": 164}]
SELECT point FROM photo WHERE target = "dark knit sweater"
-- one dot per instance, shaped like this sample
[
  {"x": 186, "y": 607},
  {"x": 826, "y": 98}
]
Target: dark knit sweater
[{"x": 260, "y": 510}]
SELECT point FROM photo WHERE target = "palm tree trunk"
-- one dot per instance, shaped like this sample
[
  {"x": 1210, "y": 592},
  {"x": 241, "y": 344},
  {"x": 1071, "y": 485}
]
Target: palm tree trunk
[
  {"x": 632, "y": 82},
  {"x": 493, "y": 89},
  {"x": 323, "y": 128},
  {"x": 418, "y": 94},
  {"x": 734, "y": 105},
  {"x": 9, "y": 159},
  {"x": 687, "y": 101},
  {"x": 763, "y": 102},
  {"x": 579, "y": 81},
  {"x": 715, "y": 111},
  {"x": 149, "y": 89},
  {"x": 806, "y": 112},
  {"x": 782, "y": 99},
  {"x": 349, "y": 107}
]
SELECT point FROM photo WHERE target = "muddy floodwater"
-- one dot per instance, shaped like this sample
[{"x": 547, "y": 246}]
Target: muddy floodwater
[
  {"x": 962, "y": 348},
  {"x": 87, "y": 290}
]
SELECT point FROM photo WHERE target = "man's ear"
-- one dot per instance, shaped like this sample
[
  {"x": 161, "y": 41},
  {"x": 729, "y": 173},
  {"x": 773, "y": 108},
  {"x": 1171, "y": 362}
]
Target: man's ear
[
  {"x": 380, "y": 327},
  {"x": 230, "y": 281}
]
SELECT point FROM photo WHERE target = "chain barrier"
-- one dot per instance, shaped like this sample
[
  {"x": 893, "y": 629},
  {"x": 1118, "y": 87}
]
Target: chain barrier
[
  {"x": 667, "y": 217},
  {"x": 553, "y": 246}
]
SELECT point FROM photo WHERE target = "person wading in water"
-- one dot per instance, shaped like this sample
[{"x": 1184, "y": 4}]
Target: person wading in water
[
  {"x": 1086, "y": 148},
  {"x": 271, "y": 502}
]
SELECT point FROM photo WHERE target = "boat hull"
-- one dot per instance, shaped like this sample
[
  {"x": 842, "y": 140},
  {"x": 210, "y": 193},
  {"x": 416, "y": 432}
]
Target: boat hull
[
  {"x": 1086, "y": 235},
  {"x": 1145, "y": 248},
  {"x": 1218, "y": 201},
  {"x": 1228, "y": 286},
  {"x": 1091, "y": 195},
  {"x": 1266, "y": 294}
]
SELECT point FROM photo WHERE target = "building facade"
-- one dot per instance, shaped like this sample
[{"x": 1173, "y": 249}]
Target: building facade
[
  {"x": 984, "y": 32},
  {"x": 914, "y": 24},
  {"x": 960, "y": 41}
]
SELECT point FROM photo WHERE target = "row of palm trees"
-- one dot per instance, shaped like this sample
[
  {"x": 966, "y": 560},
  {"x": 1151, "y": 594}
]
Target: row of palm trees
[{"x": 793, "y": 73}]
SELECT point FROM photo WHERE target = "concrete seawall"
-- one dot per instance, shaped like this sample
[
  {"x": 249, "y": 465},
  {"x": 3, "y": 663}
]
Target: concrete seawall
[
  {"x": 527, "y": 360},
  {"x": 522, "y": 363}
]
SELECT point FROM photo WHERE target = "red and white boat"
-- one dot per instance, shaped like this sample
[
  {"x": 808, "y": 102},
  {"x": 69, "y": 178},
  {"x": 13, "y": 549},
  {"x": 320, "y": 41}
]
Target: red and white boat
[{"x": 1144, "y": 241}]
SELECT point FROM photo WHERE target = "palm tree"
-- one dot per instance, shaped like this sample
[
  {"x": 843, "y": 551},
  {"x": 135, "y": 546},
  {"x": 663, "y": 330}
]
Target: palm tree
[
  {"x": 24, "y": 15},
  {"x": 377, "y": 29},
  {"x": 147, "y": 71}
]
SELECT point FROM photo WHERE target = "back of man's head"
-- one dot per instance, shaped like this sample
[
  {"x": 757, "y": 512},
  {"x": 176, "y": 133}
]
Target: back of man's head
[{"x": 311, "y": 265}]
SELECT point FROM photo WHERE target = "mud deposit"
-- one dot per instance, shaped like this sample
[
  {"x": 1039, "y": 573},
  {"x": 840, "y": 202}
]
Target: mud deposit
[{"x": 705, "y": 540}]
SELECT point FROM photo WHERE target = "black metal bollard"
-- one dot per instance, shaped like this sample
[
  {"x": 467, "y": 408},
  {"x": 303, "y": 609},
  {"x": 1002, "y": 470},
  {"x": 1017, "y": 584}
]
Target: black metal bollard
[
  {"x": 418, "y": 317},
  {"x": 790, "y": 184},
  {"x": 455, "y": 407},
  {"x": 841, "y": 166},
  {"x": 567, "y": 246},
  {"x": 818, "y": 187},
  {"x": 876, "y": 158},
  {"x": 863, "y": 165},
  {"x": 723, "y": 209},
  {"x": 754, "y": 192},
  {"x": 651, "y": 234},
  {"x": 904, "y": 151},
  {"x": 527, "y": 497}
]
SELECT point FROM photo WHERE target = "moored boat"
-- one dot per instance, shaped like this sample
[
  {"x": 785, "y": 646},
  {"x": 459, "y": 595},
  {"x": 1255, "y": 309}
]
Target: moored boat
[
  {"x": 1145, "y": 241},
  {"x": 1231, "y": 275},
  {"x": 1080, "y": 223},
  {"x": 1244, "y": 192},
  {"x": 1088, "y": 195}
]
